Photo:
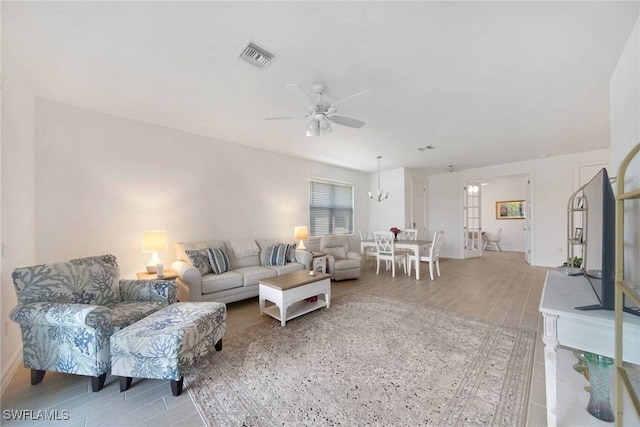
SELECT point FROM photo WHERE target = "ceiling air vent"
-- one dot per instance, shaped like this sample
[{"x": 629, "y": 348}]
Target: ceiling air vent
[{"x": 256, "y": 55}]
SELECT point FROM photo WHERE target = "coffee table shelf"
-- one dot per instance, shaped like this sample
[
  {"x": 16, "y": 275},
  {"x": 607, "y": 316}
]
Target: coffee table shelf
[{"x": 296, "y": 309}]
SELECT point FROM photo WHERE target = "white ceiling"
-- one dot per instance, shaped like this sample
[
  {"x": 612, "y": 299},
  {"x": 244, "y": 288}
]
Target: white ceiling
[{"x": 483, "y": 82}]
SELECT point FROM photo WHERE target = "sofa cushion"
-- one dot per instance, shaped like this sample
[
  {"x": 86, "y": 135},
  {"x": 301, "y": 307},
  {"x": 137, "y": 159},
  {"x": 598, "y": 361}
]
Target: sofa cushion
[
  {"x": 218, "y": 260},
  {"x": 254, "y": 273},
  {"x": 238, "y": 262},
  {"x": 220, "y": 282},
  {"x": 276, "y": 254},
  {"x": 345, "y": 264},
  {"x": 291, "y": 252},
  {"x": 124, "y": 314},
  {"x": 199, "y": 258},
  {"x": 182, "y": 247},
  {"x": 243, "y": 248},
  {"x": 289, "y": 267},
  {"x": 338, "y": 252},
  {"x": 264, "y": 244}
]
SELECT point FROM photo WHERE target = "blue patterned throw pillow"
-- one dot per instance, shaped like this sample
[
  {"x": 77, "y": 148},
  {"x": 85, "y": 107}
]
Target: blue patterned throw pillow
[
  {"x": 277, "y": 254},
  {"x": 291, "y": 253},
  {"x": 200, "y": 259},
  {"x": 218, "y": 259}
]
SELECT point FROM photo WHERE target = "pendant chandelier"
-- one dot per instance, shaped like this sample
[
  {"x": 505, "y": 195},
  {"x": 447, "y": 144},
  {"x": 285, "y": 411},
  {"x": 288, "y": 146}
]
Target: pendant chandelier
[{"x": 380, "y": 195}]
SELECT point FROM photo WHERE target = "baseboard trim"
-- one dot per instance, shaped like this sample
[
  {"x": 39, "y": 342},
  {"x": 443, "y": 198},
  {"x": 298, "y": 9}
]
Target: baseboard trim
[{"x": 9, "y": 370}]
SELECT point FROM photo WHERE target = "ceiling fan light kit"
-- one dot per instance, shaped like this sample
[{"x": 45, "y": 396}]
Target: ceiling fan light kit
[
  {"x": 380, "y": 195},
  {"x": 321, "y": 112}
]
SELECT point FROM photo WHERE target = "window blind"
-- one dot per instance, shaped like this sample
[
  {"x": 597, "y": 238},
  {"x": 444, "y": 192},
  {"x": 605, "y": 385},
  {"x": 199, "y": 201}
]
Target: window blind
[{"x": 330, "y": 208}]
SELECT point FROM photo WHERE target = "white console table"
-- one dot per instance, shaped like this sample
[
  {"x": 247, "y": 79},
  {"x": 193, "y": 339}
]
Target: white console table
[{"x": 592, "y": 331}]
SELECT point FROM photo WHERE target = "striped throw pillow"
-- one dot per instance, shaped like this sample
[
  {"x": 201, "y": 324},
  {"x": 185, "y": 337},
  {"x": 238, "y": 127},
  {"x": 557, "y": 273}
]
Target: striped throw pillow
[
  {"x": 277, "y": 254},
  {"x": 218, "y": 260}
]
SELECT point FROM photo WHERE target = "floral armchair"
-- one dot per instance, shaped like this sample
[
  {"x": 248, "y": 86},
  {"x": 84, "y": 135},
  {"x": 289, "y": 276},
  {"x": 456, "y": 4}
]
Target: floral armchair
[{"x": 68, "y": 310}]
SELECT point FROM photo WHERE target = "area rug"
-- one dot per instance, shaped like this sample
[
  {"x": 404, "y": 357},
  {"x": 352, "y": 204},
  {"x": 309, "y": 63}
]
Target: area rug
[{"x": 368, "y": 360}]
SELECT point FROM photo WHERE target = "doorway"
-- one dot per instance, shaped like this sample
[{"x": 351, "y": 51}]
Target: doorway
[
  {"x": 492, "y": 193},
  {"x": 472, "y": 229}
]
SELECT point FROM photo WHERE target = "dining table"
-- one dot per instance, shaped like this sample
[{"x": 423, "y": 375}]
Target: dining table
[{"x": 416, "y": 246}]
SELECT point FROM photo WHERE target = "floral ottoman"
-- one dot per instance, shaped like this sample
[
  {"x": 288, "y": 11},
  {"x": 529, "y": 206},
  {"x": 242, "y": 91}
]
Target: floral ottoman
[{"x": 166, "y": 344}]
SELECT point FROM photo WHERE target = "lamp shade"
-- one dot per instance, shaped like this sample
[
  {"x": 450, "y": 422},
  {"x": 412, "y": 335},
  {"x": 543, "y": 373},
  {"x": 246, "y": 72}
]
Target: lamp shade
[
  {"x": 301, "y": 233},
  {"x": 154, "y": 241}
]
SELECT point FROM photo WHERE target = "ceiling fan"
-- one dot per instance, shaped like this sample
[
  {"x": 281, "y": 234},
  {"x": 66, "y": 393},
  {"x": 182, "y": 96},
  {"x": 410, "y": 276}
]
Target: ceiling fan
[{"x": 321, "y": 112}]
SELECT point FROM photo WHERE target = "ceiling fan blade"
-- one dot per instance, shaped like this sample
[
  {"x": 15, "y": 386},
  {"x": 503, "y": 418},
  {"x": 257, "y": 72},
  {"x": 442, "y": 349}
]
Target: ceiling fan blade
[
  {"x": 349, "y": 97},
  {"x": 313, "y": 101},
  {"x": 346, "y": 121}
]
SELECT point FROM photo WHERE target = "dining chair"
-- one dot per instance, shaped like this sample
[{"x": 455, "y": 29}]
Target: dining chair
[
  {"x": 369, "y": 251},
  {"x": 407, "y": 234},
  {"x": 493, "y": 241},
  {"x": 434, "y": 253},
  {"x": 387, "y": 251}
]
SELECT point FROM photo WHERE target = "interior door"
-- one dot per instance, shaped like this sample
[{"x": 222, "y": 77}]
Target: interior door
[
  {"x": 472, "y": 221},
  {"x": 419, "y": 208}
]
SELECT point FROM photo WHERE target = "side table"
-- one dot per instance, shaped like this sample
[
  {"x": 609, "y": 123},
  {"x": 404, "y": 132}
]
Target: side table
[
  {"x": 319, "y": 262},
  {"x": 168, "y": 275}
]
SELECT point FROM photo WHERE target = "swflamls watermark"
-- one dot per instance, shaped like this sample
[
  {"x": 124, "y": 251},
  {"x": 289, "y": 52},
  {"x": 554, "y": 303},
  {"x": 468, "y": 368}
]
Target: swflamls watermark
[{"x": 35, "y": 415}]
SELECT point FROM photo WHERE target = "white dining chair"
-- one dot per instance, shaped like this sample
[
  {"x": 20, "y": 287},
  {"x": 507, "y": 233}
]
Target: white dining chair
[
  {"x": 369, "y": 251},
  {"x": 434, "y": 253},
  {"x": 493, "y": 241},
  {"x": 386, "y": 251},
  {"x": 407, "y": 234}
]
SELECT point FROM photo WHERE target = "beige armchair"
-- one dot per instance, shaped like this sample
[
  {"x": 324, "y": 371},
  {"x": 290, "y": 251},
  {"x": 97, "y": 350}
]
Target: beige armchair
[{"x": 342, "y": 262}]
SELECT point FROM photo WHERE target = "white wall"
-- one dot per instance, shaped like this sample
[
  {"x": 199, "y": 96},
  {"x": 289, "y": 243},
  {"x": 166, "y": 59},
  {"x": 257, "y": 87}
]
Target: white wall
[
  {"x": 444, "y": 208},
  {"x": 551, "y": 186},
  {"x": 501, "y": 189},
  {"x": 102, "y": 180},
  {"x": 624, "y": 98},
  {"x": 18, "y": 201},
  {"x": 390, "y": 212},
  {"x": 396, "y": 210}
]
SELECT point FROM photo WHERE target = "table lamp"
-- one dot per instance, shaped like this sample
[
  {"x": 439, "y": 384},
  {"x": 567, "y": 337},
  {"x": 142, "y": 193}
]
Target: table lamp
[
  {"x": 301, "y": 233},
  {"x": 154, "y": 242}
]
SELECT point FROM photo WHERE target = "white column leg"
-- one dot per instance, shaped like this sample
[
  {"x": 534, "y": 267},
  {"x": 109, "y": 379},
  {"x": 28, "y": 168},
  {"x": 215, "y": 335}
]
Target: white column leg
[
  {"x": 549, "y": 337},
  {"x": 282, "y": 305}
]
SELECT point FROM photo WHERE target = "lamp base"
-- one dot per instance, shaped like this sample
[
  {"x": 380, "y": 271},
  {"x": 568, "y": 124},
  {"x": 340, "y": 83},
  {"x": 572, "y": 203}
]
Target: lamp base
[{"x": 301, "y": 246}]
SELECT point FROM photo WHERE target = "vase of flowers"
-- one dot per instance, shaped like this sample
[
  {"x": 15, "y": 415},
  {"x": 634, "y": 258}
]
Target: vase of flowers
[{"x": 395, "y": 231}]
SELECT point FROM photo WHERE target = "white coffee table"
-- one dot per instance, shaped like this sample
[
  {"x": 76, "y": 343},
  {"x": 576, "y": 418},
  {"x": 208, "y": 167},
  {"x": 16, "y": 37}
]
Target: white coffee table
[{"x": 288, "y": 293}]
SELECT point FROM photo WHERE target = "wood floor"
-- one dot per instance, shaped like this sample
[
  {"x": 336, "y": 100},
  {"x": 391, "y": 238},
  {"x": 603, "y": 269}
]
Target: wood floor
[{"x": 499, "y": 287}]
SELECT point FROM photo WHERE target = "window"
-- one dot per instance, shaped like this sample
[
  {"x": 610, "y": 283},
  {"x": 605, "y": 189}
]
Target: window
[{"x": 330, "y": 208}]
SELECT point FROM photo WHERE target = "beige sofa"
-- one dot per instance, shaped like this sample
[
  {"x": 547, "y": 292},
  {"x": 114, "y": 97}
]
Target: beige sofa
[{"x": 241, "y": 280}]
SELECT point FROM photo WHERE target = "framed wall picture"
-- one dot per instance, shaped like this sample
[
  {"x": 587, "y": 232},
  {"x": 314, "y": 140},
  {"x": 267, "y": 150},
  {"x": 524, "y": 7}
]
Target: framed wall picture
[{"x": 510, "y": 209}]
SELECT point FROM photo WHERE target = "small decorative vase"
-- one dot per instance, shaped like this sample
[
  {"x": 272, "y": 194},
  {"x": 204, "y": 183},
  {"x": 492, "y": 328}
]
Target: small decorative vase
[
  {"x": 582, "y": 361},
  {"x": 395, "y": 237},
  {"x": 599, "y": 405}
]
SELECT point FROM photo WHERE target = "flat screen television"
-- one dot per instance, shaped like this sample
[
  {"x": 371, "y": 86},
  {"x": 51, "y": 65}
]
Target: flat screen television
[{"x": 599, "y": 236}]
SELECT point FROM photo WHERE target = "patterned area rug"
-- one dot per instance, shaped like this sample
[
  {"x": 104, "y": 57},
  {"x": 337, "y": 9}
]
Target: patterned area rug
[{"x": 368, "y": 361}]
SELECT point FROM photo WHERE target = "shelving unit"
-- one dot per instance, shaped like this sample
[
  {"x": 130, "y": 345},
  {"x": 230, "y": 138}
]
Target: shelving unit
[
  {"x": 624, "y": 289},
  {"x": 576, "y": 216}
]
